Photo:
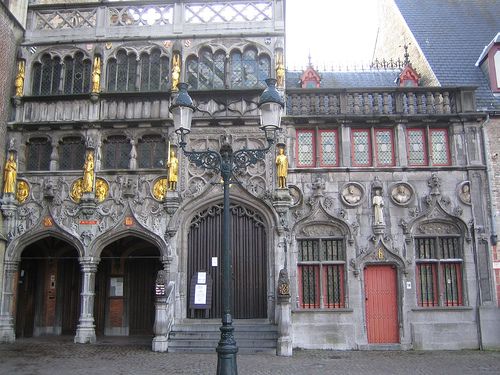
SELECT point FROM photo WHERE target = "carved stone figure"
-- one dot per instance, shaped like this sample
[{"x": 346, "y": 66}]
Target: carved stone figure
[
  {"x": 280, "y": 70},
  {"x": 19, "y": 82},
  {"x": 176, "y": 71},
  {"x": 77, "y": 190},
  {"x": 283, "y": 283},
  {"x": 160, "y": 189},
  {"x": 173, "y": 170},
  {"x": 378, "y": 205},
  {"x": 22, "y": 192},
  {"x": 464, "y": 193},
  {"x": 10, "y": 175},
  {"x": 282, "y": 168},
  {"x": 101, "y": 189},
  {"x": 96, "y": 75},
  {"x": 401, "y": 194},
  {"x": 352, "y": 194},
  {"x": 88, "y": 173}
]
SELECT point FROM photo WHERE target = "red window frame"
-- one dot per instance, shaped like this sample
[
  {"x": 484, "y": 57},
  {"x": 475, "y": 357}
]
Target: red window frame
[
  {"x": 424, "y": 141},
  {"x": 447, "y": 145},
  {"x": 317, "y": 290},
  {"x": 435, "y": 300},
  {"x": 320, "y": 133},
  {"x": 313, "y": 163},
  {"x": 369, "y": 148},
  {"x": 393, "y": 161}
]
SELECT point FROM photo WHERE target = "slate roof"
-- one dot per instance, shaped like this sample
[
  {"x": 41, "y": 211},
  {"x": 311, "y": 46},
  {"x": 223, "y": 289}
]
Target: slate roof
[
  {"x": 342, "y": 80},
  {"x": 452, "y": 35}
]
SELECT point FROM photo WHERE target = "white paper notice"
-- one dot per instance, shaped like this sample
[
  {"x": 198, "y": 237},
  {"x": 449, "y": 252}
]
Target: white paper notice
[
  {"x": 214, "y": 261},
  {"x": 200, "y": 294},
  {"x": 202, "y": 278}
]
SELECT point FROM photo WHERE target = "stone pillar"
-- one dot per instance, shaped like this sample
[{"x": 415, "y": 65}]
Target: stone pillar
[
  {"x": 161, "y": 325},
  {"x": 284, "y": 344},
  {"x": 85, "y": 332},
  {"x": 7, "y": 332}
]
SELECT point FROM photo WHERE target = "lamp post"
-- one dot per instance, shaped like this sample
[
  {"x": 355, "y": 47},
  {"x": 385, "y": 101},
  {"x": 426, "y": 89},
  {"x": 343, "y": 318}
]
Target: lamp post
[{"x": 226, "y": 162}]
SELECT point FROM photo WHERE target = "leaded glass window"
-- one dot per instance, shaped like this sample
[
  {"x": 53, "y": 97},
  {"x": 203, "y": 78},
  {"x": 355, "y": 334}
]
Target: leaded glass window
[
  {"x": 38, "y": 151},
  {"x": 384, "y": 149},
  {"x": 328, "y": 143},
  {"x": 77, "y": 74},
  {"x": 249, "y": 70},
  {"x": 321, "y": 269},
  {"x": 439, "y": 271},
  {"x": 47, "y": 76},
  {"x": 116, "y": 152},
  {"x": 122, "y": 72},
  {"x": 152, "y": 152},
  {"x": 154, "y": 71},
  {"x": 207, "y": 71},
  {"x": 305, "y": 148},
  {"x": 71, "y": 153},
  {"x": 439, "y": 147},
  {"x": 360, "y": 143},
  {"x": 417, "y": 153}
]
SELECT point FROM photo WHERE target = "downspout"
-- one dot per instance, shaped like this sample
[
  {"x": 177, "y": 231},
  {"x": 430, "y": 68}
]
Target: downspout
[{"x": 489, "y": 174}]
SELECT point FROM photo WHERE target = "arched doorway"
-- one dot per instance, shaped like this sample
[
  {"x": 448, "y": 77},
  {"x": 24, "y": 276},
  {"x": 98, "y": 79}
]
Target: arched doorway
[
  {"x": 48, "y": 294},
  {"x": 249, "y": 255},
  {"x": 124, "y": 301}
]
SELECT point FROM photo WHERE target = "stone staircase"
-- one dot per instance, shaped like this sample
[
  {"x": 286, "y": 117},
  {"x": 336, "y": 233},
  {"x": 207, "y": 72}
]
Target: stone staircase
[{"x": 202, "y": 336}]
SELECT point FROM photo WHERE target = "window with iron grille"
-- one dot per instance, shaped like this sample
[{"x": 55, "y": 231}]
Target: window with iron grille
[
  {"x": 248, "y": 70},
  {"x": 38, "y": 151},
  {"x": 207, "y": 71},
  {"x": 428, "y": 146},
  {"x": 152, "y": 151},
  {"x": 77, "y": 74},
  {"x": 47, "y": 76},
  {"x": 122, "y": 72},
  {"x": 154, "y": 71},
  {"x": 71, "y": 153},
  {"x": 321, "y": 273},
  {"x": 317, "y": 148},
  {"x": 116, "y": 152},
  {"x": 439, "y": 271},
  {"x": 382, "y": 147}
]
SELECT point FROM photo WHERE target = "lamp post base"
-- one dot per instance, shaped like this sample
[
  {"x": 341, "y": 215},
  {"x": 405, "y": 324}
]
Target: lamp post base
[{"x": 227, "y": 349}]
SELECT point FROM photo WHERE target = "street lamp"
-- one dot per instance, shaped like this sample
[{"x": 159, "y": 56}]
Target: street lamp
[{"x": 226, "y": 162}]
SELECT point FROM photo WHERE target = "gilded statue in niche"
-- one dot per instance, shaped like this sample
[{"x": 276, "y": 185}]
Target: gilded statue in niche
[
  {"x": 160, "y": 189},
  {"x": 280, "y": 70},
  {"x": 88, "y": 173},
  {"x": 176, "y": 71},
  {"x": 77, "y": 190},
  {"x": 101, "y": 189},
  {"x": 96, "y": 75},
  {"x": 173, "y": 170},
  {"x": 10, "y": 175},
  {"x": 23, "y": 191},
  {"x": 19, "y": 81},
  {"x": 281, "y": 168}
]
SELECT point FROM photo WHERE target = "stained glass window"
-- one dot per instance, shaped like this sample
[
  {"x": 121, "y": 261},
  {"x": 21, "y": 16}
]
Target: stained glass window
[
  {"x": 38, "y": 152},
  {"x": 384, "y": 147},
  {"x": 360, "y": 143},
  {"x": 116, "y": 152},
  {"x": 154, "y": 71},
  {"x": 305, "y": 148},
  {"x": 321, "y": 269},
  {"x": 77, "y": 74},
  {"x": 207, "y": 71},
  {"x": 439, "y": 147},
  {"x": 152, "y": 152},
  {"x": 71, "y": 153},
  {"x": 47, "y": 76},
  {"x": 328, "y": 143},
  {"x": 417, "y": 154},
  {"x": 249, "y": 70},
  {"x": 122, "y": 72}
]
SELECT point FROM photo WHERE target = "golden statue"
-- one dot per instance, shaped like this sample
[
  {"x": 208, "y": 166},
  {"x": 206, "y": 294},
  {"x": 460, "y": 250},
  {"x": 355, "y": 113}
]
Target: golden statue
[
  {"x": 280, "y": 70},
  {"x": 77, "y": 190},
  {"x": 19, "y": 82},
  {"x": 282, "y": 168},
  {"x": 173, "y": 170},
  {"x": 10, "y": 175},
  {"x": 176, "y": 71},
  {"x": 96, "y": 75},
  {"x": 101, "y": 189},
  {"x": 23, "y": 191},
  {"x": 88, "y": 173},
  {"x": 160, "y": 189}
]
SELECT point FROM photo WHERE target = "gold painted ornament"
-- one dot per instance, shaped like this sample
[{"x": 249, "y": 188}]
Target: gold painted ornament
[
  {"x": 160, "y": 189},
  {"x": 23, "y": 191}
]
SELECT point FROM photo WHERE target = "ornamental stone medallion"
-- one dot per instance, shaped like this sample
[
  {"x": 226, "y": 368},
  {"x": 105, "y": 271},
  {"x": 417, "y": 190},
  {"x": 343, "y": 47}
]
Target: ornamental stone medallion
[
  {"x": 401, "y": 193},
  {"x": 352, "y": 194}
]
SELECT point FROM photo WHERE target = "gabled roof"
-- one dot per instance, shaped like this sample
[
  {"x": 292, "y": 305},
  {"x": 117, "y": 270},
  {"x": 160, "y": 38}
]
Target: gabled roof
[
  {"x": 345, "y": 80},
  {"x": 452, "y": 35}
]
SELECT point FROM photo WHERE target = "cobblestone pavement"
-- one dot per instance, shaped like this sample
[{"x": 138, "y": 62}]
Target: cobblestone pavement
[{"x": 59, "y": 356}]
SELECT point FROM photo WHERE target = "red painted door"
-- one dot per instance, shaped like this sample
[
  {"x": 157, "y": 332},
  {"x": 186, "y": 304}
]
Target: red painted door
[{"x": 381, "y": 304}]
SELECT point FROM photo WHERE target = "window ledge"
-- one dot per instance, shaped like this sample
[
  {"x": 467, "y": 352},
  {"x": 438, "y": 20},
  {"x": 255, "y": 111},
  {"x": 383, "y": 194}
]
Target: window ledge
[
  {"x": 344, "y": 310},
  {"x": 443, "y": 308}
]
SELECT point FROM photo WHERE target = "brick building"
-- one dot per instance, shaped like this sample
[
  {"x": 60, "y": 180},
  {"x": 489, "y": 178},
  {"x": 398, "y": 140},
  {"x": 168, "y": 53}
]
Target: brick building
[{"x": 379, "y": 227}]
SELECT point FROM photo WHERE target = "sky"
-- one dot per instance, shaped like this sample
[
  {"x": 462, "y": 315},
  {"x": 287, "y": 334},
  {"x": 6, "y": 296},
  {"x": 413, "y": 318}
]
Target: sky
[{"x": 334, "y": 32}]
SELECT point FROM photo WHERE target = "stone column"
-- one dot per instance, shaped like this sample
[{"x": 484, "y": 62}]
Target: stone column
[
  {"x": 7, "y": 332},
  {"x": 284, "y": 344},
  {"x": 161, "y": 325},
  {"x": 85, "y": 332}
]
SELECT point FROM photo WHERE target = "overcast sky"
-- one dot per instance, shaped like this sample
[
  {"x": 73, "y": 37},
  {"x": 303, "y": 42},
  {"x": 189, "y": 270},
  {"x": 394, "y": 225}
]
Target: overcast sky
[{"x": 335, "y": 32}]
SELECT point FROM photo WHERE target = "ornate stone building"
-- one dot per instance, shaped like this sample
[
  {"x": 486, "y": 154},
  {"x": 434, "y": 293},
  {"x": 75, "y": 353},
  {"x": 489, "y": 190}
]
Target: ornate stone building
[{"x": 374, "y": 240}]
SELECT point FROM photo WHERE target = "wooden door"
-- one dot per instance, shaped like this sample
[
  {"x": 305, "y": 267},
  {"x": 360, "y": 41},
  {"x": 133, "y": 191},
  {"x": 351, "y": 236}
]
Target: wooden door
[
  {"x": 26, "y": 296},
  {"x": 69, "y": 285},
  {"x": 381, "y": 304},
  {"x": 249, "y": 256}
]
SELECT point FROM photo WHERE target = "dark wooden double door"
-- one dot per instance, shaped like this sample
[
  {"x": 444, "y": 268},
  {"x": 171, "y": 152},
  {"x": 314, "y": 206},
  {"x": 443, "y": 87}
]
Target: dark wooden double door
[{"x": 249, "y": 257}]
